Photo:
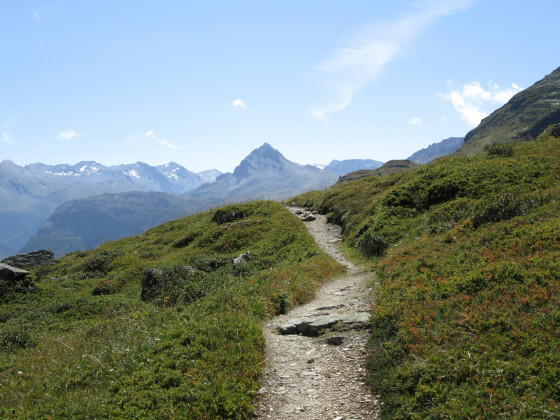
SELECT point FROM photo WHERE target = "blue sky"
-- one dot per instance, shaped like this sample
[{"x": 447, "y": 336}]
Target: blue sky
[{"x": 203, "y": 83}]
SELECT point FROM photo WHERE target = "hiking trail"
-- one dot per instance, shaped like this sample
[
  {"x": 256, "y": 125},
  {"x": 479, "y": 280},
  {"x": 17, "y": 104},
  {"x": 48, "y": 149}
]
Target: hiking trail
[{"x": 314, "y": 375}]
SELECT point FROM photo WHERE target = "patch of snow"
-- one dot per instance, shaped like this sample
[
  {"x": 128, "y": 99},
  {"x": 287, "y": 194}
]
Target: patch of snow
[{"x": 132, "y": 173}]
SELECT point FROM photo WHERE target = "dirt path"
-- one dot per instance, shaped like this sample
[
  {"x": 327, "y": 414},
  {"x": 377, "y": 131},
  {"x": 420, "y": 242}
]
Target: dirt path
[{"x": 321, "y": 378}]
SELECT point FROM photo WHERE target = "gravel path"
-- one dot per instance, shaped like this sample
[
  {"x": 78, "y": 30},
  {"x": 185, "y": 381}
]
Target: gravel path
[{"x": 308, "y": 378}]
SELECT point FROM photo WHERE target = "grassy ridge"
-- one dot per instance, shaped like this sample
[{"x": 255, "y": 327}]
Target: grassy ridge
[
  {"x": 466, "y": 323},
  {"x": 84, "y": 345}
]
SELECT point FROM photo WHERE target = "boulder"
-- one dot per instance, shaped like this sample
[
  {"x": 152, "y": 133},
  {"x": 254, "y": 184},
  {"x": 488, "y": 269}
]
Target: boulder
[
  {"x": 31, "y": 259},
  {"x": 13, "y": 279},
  {"x": 243, "y": 258}
]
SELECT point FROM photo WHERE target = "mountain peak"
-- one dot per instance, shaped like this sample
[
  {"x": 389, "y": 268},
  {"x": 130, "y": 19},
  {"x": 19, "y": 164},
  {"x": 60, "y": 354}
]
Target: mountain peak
[{"x": 265, "y": 158}]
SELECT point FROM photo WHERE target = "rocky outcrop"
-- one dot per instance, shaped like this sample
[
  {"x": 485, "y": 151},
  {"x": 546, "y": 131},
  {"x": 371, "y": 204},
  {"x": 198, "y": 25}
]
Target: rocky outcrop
[{"x": 31, "y": 259}]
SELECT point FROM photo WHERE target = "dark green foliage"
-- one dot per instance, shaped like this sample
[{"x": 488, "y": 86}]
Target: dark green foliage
[
  {"x": 499, "y": 150},
  {"x": 371, "y": 244},
  {"x": 99, "y": 262},
  {"x": 174, "y": 284},
  {"x": 228, "y": 214}
]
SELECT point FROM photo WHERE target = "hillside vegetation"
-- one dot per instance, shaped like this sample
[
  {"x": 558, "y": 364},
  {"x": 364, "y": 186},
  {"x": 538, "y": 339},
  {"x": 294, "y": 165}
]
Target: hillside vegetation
[
  {"x": 160, "y": 326},
  {"x": 467, "y": 317}
]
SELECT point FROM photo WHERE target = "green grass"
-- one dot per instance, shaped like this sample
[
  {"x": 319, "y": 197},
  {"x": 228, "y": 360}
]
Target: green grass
[
  {"x": 467, "y": 251},
  {"x": 85, "y": 345}
]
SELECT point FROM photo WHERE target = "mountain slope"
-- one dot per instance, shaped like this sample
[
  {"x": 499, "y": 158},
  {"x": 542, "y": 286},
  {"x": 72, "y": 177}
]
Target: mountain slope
[
  {"x": 86, "y": 223},
  {"x": 522, "y": 119},
  {"x": 390, "y": 167},
  {"x": 466, "y": 247},
  {"x": 437, "y": 150},
  {"x": 351, "y": 165},
  {"x": 161, "y": 326}
]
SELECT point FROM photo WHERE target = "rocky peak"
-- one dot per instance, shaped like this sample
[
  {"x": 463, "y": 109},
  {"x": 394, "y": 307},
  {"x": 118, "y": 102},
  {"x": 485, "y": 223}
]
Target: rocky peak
[{"x": 265, "y": 158}]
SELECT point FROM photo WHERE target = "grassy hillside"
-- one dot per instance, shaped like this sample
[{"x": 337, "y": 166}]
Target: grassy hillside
[
  {"x": 99, "y": 338},
  {"x": 467, "y": 318}
]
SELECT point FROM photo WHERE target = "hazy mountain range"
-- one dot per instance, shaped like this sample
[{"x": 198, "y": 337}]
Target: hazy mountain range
[
  {"x": 85, "y": 223},
  {"x": 29, "y": 194}
]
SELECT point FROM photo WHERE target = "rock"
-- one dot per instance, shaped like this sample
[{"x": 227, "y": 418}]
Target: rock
[
  {"x": 31, "y": 259},
  {"x": 13, "y": 279},
  {"x": 243, "y": 258},
  {"x": 335, "y": 341},
  {"x": 314, "y": 326},
  {"x": 308, "y": 218}
]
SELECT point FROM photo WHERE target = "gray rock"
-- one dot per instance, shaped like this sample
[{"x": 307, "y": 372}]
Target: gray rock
[
  {"x": 31, "y": 259},
  {"x": 314, "y": 326},
  {"x": 308, "y": 218},
  {"x": 13, "y": 279},
  {"x": 243, "y": 258}
]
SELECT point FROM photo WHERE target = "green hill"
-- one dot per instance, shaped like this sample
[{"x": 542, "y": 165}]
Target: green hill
[
  {"x": 522, "y": 119},
  {"x": 467, "y": 251},
  {"x": 159, "y": 326}
]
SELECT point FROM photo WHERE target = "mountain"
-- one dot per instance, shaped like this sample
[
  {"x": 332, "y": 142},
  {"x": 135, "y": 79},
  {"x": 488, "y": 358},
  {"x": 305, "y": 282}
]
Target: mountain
[
  {"x": 28, "y": 195},
  {"x": 264, "y": 174},
  {"x": 209, "y": 175},
  {"x": 522, "y": 119},
  {"x": 390, "y": 167},
  {"x": 85, "y": 223},
  {"x": 343, "y": 167},
  {"x": 436, "y": 150}
]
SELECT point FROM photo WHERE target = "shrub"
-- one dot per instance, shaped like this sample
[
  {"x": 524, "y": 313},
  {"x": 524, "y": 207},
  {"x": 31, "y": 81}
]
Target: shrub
[
  {"x": 228, "y": 214},
  {"x": 505, "y": 150},
  {"x": 372, "y": 244}
]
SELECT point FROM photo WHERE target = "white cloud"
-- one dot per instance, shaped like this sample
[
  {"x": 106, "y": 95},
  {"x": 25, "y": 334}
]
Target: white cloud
[
  {"x": 130, "y": 138},
  {"x": 372, "y": 48},
  {"x": 6, "y": 138},
  {"x": 473, "y": 101},
  {"x": 415, "y": 121},
  {"x": 238, "y": 103},
  {"x": 151, "y": 135},
  {"x": 67, "y": 134}
]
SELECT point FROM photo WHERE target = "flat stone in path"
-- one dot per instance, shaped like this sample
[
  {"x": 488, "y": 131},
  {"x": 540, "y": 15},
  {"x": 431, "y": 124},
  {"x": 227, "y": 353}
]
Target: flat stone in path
[{"x": 314, "y": 326}]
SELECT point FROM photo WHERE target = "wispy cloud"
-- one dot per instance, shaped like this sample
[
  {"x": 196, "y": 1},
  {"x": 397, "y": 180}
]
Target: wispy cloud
[
  {"x": 37, "y": 15},
  {"x": 372, "y": 48},
  {"x": 415, "y": 121},
  {"x": 238, "y": 103},
  {"x": 67, "y": 134},
  {"x": 472, "y": 100},
  {"x": 6, "y": 138},
  {"x": 152, "y": 135}
]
